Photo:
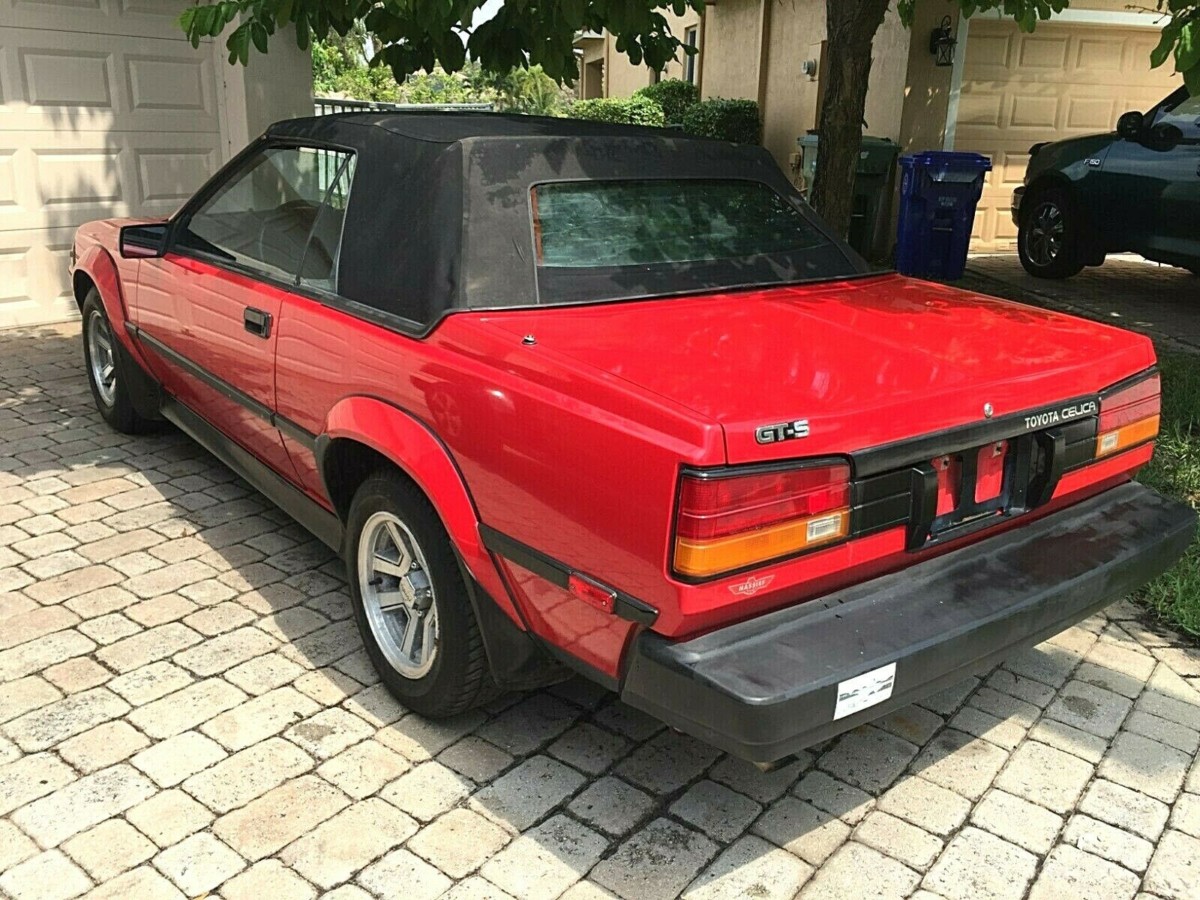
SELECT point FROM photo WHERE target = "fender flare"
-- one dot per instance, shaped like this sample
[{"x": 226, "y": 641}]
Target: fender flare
[
  {"x": 412, "y": 447},
  {"x": 97, "y": 264}
]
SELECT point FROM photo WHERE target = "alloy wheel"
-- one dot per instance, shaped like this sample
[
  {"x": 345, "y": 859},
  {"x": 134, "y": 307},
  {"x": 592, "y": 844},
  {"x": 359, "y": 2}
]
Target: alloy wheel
[
  {"x": 1045, "y": 235},
  {"x": 101, "y": 358},
  {"x": 398, "y": 596}
]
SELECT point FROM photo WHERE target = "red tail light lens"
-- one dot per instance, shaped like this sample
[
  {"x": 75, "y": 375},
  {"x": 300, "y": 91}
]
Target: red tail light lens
[
  {"x": 1129, "y": 416},
  {"x": 730, "y": 521}
]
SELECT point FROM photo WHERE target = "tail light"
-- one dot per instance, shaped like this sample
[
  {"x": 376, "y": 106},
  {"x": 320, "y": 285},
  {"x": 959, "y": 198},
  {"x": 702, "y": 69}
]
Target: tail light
[
  {"x": 732, "y": 520},
  {"x": 1129, "y": 416}
]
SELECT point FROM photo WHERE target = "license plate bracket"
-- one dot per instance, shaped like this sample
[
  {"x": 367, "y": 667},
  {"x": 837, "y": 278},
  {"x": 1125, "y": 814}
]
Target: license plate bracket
[{"x": 980, "y": 486}]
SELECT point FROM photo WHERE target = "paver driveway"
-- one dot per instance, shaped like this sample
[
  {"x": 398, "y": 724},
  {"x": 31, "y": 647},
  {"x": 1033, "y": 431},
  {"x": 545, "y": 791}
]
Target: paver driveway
[{"x": 184, "y": 707}]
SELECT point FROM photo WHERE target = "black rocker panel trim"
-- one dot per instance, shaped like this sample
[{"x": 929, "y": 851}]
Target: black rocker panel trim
[
  {"x": 557, "y": 572},
  {"x": 264, "y": 412},
  {"x": 324, "y": 525}
]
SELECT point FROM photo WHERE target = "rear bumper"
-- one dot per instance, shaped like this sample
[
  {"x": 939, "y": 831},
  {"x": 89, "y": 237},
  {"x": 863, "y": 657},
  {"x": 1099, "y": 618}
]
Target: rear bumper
[{"x": 768, "y": 687}]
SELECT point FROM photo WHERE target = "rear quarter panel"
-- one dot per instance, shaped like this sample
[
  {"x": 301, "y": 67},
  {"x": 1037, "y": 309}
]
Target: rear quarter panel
[{"x": 558, "y": 456}]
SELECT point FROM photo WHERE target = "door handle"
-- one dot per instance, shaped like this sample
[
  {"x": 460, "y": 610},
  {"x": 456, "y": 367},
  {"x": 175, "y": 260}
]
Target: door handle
[{"x": 257, "y": 322}]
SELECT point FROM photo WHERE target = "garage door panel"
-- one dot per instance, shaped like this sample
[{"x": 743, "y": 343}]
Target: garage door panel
[
  {"x": 1030, "y": 110},
  {"x": 53, "y": 76},
  {"x": 105, "y": 110},
  {"x": 1064, "y": 80},
  {"x": 34, "y": 286},
  {"x": 64, "y": 180},
  {"x": 1043, "y": 52},
  {"x": 135, "y": 18},
  {"x": 55, "y": 79}
]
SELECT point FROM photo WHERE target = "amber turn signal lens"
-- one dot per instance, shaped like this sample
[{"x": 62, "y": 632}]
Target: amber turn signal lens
[
  {"x": 700, "y": 559},
  {"x": 1110, "y": 442},
  {"x": 1129, "y": 417}
]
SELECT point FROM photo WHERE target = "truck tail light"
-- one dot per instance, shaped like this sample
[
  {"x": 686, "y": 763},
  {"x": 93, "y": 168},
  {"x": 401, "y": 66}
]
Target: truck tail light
[
  {"x": 1129, "y": 416},
  {"x": 731, "y": 520}
]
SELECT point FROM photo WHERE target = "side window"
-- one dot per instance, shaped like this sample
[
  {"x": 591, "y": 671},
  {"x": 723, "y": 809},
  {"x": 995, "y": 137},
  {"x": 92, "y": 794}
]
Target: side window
[
  {"x": 263, "y": 216},
  {"x": 1185, "y": 115},
  {"x": 319, "y": 266}
]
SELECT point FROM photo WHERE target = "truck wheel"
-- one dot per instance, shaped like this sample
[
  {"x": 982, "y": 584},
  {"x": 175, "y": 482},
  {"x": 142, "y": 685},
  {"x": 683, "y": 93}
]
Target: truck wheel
[
  {"x": 1048, "y": 240},
  {"x": 106, "y": 375},
  {"x": 410, "y": 600}
]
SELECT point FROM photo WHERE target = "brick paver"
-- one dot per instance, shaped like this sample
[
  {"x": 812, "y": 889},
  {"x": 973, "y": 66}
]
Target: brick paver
[{"x": 185, "y": 708}]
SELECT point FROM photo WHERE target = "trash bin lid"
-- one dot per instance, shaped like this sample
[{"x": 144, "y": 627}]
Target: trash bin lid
[
  {"x": 947, "y": 159},
  {"x": 876, "y": 155}
]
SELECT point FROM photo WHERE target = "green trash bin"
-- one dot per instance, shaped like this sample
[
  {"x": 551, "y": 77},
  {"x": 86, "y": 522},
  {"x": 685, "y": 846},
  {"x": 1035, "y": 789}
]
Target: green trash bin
[{"x": 873, "y": 187}]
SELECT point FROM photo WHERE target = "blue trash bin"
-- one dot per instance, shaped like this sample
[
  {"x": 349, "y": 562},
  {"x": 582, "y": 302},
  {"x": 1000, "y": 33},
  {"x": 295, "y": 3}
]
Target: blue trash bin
[{"x": 938, "y": 195}]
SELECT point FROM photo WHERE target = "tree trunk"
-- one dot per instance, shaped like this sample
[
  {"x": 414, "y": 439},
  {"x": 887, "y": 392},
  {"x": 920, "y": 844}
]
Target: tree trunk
[{"x": 851, "y": 29}]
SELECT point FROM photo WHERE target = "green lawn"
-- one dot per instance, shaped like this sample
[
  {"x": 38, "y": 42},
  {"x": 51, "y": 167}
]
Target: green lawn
[{"x": 1176, "y": 472}]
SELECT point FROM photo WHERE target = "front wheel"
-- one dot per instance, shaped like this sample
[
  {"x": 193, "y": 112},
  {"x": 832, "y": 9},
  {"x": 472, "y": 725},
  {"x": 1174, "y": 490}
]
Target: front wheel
[
  {"x": 106, "y": 369},
  {"x": 1048, "y": 241},
  {"x": 410, "y": 600}
]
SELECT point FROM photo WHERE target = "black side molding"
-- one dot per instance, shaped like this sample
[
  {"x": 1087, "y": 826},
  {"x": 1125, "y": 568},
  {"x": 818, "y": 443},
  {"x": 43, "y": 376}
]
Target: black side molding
[
  {"x": 557, "y": 573},
  {"x": 284, "y": 424}
]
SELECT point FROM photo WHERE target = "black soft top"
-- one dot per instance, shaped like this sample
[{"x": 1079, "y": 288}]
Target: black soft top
[{"x": 439, "y": 215}]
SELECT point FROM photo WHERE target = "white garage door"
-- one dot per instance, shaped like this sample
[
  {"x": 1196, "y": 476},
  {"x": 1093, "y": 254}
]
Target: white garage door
[
  {"x": 104, "y": 111},
  {"x": 1060, "y": 81}
]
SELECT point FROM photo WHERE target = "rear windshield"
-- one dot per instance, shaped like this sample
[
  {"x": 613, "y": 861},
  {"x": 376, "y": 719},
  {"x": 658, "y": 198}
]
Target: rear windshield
[{"x": 611, "y": 239}]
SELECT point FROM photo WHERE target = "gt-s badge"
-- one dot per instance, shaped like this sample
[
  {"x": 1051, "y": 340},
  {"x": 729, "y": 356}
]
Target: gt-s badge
[{"x": 784, "y": 431}]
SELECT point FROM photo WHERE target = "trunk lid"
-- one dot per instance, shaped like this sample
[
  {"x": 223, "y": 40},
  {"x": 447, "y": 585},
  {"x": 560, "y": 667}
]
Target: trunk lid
[{"x": 865, "y": 362}]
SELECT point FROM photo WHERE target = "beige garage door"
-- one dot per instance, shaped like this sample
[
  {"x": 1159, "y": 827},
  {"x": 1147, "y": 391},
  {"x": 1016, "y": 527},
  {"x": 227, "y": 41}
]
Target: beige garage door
[
  {"x": 104, "y": 111},
  {"x": 1062, "y": 80}
]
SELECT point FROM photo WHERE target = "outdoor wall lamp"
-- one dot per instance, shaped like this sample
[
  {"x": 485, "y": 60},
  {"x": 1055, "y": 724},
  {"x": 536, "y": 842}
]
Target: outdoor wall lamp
[{"x": 942, "y": 42}]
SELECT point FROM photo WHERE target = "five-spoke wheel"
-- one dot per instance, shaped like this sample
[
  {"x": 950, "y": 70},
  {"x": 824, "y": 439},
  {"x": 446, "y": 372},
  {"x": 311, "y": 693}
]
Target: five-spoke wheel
[
  {"x": 398, "y": 595},
  {"x": 411, "y": 600},
  {"x": 102, "y": 356}
]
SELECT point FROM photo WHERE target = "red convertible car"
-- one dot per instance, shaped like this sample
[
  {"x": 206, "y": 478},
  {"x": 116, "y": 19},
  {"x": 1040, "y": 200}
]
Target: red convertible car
[{"x": 570, "y": 397}]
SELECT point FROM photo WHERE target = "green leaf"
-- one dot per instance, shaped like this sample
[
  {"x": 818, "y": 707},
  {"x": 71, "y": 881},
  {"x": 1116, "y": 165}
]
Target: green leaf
[
  {"x": 239, "y": 44},
  {"x": 1170, "y": 34},
  {"x": 258, "y": 33},
  {"x": 1187, "y": 51}
]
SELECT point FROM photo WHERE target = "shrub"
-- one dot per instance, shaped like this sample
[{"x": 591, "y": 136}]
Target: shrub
[
  {"x": 625, "y": 111},
  {"x": 674, "y": 96},
  {"x": 726, "y": 120}
]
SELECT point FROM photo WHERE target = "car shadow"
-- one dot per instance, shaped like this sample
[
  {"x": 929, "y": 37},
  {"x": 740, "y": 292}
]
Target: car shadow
[{"x": 569, "y": 772}]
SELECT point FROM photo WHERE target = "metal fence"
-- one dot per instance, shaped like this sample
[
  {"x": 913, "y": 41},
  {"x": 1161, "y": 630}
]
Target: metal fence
[{"x": 325, "y": 106}]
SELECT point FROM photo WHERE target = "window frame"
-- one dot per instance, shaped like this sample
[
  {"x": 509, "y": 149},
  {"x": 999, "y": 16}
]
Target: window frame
[{"x": 236, "y": 168}]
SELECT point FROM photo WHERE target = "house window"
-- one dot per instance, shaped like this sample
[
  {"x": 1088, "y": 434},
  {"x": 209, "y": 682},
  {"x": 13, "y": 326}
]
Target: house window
[{"x": 690, "y": 38}]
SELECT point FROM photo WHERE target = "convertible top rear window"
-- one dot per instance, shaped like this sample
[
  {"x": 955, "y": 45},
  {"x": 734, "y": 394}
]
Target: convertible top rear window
[{"x": 623, "y": 238}]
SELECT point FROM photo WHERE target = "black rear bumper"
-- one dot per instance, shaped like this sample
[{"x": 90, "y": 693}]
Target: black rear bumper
[{"x": 768, "y": 687}]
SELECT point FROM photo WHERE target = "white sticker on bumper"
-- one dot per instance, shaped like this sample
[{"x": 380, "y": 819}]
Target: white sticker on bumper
[{"x": 864, "y": 690}]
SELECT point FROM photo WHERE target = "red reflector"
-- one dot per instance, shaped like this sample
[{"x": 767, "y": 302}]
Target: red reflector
[
  {"x": 719, "y": 506},
  {"x": 592, "y": 593}
]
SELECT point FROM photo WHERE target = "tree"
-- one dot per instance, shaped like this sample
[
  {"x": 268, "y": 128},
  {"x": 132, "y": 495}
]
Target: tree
[{"x": 429, "y": 34}]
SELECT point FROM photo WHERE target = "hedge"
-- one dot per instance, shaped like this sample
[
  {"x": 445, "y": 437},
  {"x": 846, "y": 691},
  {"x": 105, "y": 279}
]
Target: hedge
[
  {"x": 626, "y": 111},
  {"x": 726, "y": 120},
  {"x": 674, "y": 96}
]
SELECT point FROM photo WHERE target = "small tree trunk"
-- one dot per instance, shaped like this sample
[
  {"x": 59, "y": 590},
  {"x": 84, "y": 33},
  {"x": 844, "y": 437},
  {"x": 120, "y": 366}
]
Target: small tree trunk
[{"x": 851, "y": 29}]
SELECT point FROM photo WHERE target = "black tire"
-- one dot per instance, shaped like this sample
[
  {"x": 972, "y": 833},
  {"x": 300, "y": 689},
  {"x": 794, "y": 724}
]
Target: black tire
[
  {"x": 457, "y": 678},
  {"x": 112, "y": 397},
  {"x": 1049, "y": 240}
]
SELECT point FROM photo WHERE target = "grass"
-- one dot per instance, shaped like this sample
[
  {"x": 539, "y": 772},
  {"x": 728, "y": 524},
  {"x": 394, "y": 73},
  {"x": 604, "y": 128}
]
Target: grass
[{"x": 1175, "y": 471}]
